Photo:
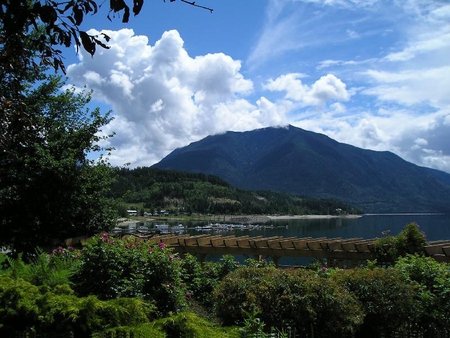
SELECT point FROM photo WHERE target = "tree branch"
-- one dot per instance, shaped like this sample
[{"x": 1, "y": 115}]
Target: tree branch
[{"x": 192, "y": 3}]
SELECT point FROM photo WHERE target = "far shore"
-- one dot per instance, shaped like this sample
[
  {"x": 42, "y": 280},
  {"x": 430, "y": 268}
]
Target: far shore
[
  {"x": 312, "y": 216},
  {"x": 235, "y": 218}
]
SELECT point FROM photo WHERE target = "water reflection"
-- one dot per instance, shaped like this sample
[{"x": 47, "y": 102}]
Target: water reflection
[{"x": 436, "y": 227}]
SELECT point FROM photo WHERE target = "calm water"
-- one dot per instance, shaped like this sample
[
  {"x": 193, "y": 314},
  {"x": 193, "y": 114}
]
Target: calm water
[{"x": 436, "y": 227}]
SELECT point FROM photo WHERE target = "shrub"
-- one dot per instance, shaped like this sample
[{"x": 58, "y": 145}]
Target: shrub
[
  {"x": 44, "y": 269},
  {"x": 433, "y": 279},
  {"x": 114, "y": 268},
  {"x": 409, "y": 241},
  {"x": 288, "y": 298},
  {"x": 18, "y": 304},
  {"x": 202, "y": 278},
  {"x": 26, "y": 307},
  {"x": 388, "y": 299},
  {"x": 189, "y": 325}
]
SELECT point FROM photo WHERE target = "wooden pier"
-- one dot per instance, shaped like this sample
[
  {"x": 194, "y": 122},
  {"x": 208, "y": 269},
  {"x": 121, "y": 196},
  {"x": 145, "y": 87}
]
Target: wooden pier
[{"x": 336, "y": 252}]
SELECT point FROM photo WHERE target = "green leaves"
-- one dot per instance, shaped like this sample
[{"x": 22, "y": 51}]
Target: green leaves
[
  {"x": 409, "y": 241},
  {"x": 116, "y": 268},
  {"x": 50, "y": 189}
]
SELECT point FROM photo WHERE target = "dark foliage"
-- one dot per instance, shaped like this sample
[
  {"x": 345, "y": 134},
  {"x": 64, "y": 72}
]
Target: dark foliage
[
  {"x": 49, "y": 188},
  {"x": 60, "y": 23},
  {"x": 196, "y": 192}
]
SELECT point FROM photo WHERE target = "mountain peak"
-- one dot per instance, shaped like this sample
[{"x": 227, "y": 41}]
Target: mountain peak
[{"x": 294, "y": 160}]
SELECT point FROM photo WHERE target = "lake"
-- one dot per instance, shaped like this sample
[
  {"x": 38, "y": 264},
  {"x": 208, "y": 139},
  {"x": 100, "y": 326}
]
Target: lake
[{"x": 435, "y": 226}]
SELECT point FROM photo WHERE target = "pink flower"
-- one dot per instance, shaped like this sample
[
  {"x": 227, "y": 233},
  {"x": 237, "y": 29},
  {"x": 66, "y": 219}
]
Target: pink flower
[
  {"x": 161, "y": 245},
  {"x": 150, "y": 250}
]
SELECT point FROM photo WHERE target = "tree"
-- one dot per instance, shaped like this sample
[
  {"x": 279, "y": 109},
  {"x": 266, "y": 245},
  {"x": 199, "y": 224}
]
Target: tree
[
  {"x": 61, "y": 22},
  {"x": 32, "y": 31},
  {"x": 49, "y": 187}
]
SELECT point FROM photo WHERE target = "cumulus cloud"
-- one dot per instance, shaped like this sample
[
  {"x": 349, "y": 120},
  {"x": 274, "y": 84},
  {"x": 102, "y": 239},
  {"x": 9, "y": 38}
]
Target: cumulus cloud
[
  {"x": 163, "y": 99},
  {"x": 327, "y": 88},
  {"x": 385, "y": 86},
  {"x": 398, "y": 84}
]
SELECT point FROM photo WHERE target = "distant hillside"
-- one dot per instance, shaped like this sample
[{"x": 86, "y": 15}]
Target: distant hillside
[
  {"x": 297, "y": 161},
  {"x": 178, "y": 192}
]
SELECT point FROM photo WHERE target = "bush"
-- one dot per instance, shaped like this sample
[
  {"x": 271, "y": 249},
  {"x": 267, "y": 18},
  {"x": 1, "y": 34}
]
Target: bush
[
  {"x": 433, "y": 281},
  {"x": 387, "y": 298},
  {"x": 25, "y": 307},
  {"x": 114, "y": 268},
  {"x": 189, "y": 325},
  {"x": 201, "y": 279},
  {"x": 44, "y": 269},
  {"x": 409, "y": 241},
  {"x": 288, "y": 298}
]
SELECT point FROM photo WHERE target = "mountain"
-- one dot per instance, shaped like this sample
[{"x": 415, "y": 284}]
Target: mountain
[{"x": 301, "y": 162}]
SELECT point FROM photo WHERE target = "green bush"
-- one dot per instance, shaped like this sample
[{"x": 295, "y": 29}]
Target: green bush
[
  {"x": 189, "y": 325},
  {"x": 113, "y": 268},
  {"x": 288, "y": 298},
  {"x": 387, "y": 298},
  {"x": 409, "y": 241},
  {"x": 25, "y": 307},
  {"x": 44, "y": 269},
  {"x": 433, "y": 279},
  {"x": 138, "y": 331},
  {"x": 18, "y": 304},
  {"x": 202, "y": 278}
]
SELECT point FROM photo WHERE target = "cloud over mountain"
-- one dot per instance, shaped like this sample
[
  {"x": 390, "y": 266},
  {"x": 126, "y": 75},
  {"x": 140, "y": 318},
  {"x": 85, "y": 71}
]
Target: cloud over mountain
[{"x": 373, "y": 74}]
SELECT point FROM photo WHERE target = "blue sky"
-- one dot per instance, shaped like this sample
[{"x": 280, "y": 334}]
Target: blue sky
[{"x": 371, "y": 73}]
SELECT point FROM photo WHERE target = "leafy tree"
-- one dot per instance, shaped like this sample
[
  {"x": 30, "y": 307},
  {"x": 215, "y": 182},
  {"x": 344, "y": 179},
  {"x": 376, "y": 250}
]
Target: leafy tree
[
  {"x": 60, "y": 22},
  {"x": 49, "y": 187}
]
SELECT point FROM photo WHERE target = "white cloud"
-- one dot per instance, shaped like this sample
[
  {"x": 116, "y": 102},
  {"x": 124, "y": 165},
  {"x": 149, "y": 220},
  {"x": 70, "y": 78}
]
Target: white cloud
[
  {"x": 327, "y": 88},
  {"x": 386, "y": 87},
  {"x": 421, "y": 139},
  {"x": 429, "y": 85},
  {"x": 163, "y": 99}
]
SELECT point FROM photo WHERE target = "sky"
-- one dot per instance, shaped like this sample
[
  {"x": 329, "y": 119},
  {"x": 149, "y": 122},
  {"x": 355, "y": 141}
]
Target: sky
[{"x": 371, "y": 73}]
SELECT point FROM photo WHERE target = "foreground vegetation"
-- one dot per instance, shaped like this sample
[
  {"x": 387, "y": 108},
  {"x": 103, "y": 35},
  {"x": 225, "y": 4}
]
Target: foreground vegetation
[{"x": 115, "y": 286}]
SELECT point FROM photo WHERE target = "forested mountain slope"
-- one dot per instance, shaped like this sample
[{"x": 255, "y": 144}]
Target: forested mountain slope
[
  {"x": 178, "y": 192},
  {"x": 297, "y": 161}
]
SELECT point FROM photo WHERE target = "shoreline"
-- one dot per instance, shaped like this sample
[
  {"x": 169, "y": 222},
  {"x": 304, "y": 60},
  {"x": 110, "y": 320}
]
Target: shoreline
[
  {"x": 313, "y": 216},
  {"x": 236, "y": 218},
  {"x": 268, "y": 218}
]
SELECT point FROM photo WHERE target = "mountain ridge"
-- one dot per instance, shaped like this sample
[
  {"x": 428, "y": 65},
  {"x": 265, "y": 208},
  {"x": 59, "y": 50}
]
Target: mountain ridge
[{"x": 294, "y": 160}]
